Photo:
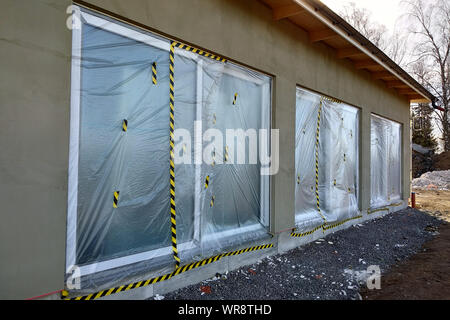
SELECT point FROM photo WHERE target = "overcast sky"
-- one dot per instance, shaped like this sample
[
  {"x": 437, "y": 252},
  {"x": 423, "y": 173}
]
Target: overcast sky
[
  {"x": 383, "y": 11},
  {"x": 391, "y": 13}
]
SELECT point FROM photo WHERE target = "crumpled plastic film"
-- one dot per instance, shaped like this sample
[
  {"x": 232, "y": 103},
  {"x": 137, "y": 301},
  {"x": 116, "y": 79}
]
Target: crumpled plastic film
[
  {"x": 233, "y": 99},
  {"x": 385, "y": 162},
  {"x": 119, "y": 227},
  {"x": 337, "y": 161},
  {"x": 117, "y": 85},
  {"x": 306, "y": 214}
]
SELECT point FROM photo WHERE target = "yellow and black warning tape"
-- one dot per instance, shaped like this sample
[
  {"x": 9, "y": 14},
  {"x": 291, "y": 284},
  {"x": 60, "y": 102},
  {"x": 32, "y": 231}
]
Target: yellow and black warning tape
[
  {"x": 173, "y": 212},
  {"x": 304, "y": 234},
  {"x": 235, "y": 99},
  {"x": 206, "y": 182},
  {"x": 370, "y": 211},
  {"x": 179, "y": 270},
  {"x": 116, "y": 199},
  {"x": 125, "y": 125},
  {"x": 319, "y": 112},
  {"x": 337, "y": 224},
  {"x": 331, "y": 99},
  {"x": 154, "y": 74},
  {"x": 398, "y": 204},
  {"x": 199, "y": 51},
  {"x": 324, "y": 227}
]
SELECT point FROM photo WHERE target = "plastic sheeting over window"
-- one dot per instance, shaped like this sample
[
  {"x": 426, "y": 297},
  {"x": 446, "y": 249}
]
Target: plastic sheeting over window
[
  {"x": 326, "y": 161},
  {"x": 119, "y": 178},
  {"x": 385, "y": 163}
]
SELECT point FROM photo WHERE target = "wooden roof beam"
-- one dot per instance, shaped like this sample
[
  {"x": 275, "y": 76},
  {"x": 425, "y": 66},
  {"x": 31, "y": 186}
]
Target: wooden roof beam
[
  {"x": 383, "y": 75},
  {"x": 418, "y": 99},
  {"x": 415, "y": 96},
  {"x": 396, "y": 84},
  {"x": 323, "y": 34},
  {"x": 348, "y": 52},
  {"x": 366, "y": 64},
  {"x": 286, "y": 11},
  {"x": 407, "y": 91}
]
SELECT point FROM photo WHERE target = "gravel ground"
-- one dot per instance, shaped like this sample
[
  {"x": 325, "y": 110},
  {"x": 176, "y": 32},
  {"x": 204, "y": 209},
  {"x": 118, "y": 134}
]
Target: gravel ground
[{"x": 330, "y": 268}]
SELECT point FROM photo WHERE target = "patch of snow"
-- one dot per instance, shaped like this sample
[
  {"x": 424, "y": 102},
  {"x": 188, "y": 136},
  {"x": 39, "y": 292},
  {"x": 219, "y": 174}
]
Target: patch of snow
[{"x": 438, "y": 180}]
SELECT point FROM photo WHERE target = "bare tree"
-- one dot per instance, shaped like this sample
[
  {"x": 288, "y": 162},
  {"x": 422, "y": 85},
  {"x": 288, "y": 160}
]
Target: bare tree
[
  {"x": 422, "y": 113},
  {"x": 361, "y": 19},
  {"x": 397, "y": 48},
  {"x": 430, "y": 23}
]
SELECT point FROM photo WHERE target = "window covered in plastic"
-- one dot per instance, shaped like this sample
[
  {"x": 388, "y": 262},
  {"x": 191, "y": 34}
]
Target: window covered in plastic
[
  {"x": 385, "y": 164},
  {"x": 119, "y": 195},
  {"x": 326, "y": 160}
]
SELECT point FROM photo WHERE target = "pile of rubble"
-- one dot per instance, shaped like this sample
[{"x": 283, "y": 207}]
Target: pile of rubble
[{"x": 434, "y": 180}]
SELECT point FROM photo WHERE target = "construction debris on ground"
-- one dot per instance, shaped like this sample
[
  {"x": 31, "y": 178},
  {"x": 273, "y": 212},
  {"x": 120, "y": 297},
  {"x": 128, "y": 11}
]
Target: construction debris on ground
[{"x": 434, "y": 180}]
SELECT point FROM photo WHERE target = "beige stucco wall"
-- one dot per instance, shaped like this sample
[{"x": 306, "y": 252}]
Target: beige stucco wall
[
  {"x": 34, "y": 120},
  {"x": 35, "y": 48}
]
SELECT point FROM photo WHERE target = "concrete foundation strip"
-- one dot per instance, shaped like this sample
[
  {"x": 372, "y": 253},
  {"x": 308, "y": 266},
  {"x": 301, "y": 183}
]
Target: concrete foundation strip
[
  {"x": 143, "y": 283},
  {"x": 337, "y": 224},
  {"x": 324, "y": 227},
  {"x": 370, "y": 211},
  {"x": 332, "y": 99},
  {"x": 304, "y": 234}
]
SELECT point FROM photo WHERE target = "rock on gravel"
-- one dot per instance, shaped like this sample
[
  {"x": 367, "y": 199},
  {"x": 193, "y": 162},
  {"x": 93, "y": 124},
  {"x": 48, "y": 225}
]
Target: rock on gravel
[{"x": 333, "y": 269}]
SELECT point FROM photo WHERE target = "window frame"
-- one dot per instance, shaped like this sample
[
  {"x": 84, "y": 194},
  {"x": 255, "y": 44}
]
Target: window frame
[
  {"x": 327, "y": 143},
  {"x": 85, "y": 17},
  {"x": 398, "y": 197}
]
